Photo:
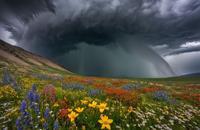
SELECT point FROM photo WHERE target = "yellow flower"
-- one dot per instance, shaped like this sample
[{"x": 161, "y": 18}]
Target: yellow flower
[
  {"x": 72, "y": 116},
  {"x": 130, "y": 109},
  {"x": 83, "y": 127},
  {"x": 105, "y": 122},
  {"x": 84, "y": 102},
  {"x": 69, "y": 110},
  {"x": 42, "y": 120},
  {"x": 102, "y": 107},
  {"x": 79, "y": 110},
  {"x": 56, "y": 105},
  {"x": 93, "y": 104}
]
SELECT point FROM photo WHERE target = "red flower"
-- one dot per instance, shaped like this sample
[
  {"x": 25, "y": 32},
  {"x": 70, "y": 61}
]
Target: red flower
[
  {"x": 63, "y": 113},
  {"x": 49, "y": 92},
  {"x": 122, "y": 94},
  {"x": 63, "y": 103},
  {"x": 150, "y": 89}
]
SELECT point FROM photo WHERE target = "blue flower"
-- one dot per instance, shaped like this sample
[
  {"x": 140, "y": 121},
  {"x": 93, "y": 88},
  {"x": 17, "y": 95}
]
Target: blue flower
[
  {"x": 56, "y": 125},
  {"x": 33, "y": 96},
  {"x": 46, "y": 113},
  {"x": 30, "y": 95},
  {"x": 18, "y": 124},
  {"x": 36, "y": 109},
  {"x": 131, "y": 86},
  {"x": 73, "y": 86},
  {"x": 161, "y": 95},
  {"x": 94, "y": 92},
  {"x": 45, "y": 125},
  {"x": 23, "y": 106},
  {"x": 34, "y": 88},
  {"x": 8, "y": 79},
  {"x": 36, "y": 97}
]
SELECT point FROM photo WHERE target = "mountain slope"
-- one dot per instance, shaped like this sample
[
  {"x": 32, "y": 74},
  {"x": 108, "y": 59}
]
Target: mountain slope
[{"x": 12, "y": 55}]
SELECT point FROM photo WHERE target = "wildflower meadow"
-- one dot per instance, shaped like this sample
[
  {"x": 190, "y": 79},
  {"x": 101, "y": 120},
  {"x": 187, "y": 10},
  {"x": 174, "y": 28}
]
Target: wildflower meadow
[{"x": 73, "y": 102}]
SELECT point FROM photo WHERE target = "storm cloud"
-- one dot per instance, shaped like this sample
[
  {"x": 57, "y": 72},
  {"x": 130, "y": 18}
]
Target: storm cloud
[{"x": 118, "y": 37}]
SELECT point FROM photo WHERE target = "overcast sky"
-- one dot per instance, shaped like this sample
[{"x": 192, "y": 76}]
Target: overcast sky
[{"x": 121, "y": 38}]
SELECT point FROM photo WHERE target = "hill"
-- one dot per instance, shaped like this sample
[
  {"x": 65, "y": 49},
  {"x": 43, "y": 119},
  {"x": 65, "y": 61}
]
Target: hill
[
  {"x": 192, "y": 75},
  {"x": 24, "y": 60}
]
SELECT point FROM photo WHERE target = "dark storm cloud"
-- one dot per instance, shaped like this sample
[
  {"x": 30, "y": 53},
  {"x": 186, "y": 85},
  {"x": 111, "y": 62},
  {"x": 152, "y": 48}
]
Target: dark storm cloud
[
  {"x": 99, "y": 22},
  {"x": 56, "y": 27},
  {"x": 24, "y": 9},
  {"x": 182, "y": 50}
]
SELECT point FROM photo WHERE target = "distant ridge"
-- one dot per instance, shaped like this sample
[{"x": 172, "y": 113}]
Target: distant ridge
[{"x": 191, "y": 75}]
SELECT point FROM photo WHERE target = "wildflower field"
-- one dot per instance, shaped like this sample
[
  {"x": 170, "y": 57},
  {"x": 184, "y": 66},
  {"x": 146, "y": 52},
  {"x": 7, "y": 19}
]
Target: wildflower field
[{"x": 47, "y": 99}]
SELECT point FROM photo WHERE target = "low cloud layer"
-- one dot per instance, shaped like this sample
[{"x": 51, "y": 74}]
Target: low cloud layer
[{"x": 60, "y": 29}]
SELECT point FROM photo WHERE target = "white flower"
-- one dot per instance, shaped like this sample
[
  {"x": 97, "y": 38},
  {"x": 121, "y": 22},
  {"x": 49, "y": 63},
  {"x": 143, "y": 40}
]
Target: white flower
[{"x": 127, "y": 125}]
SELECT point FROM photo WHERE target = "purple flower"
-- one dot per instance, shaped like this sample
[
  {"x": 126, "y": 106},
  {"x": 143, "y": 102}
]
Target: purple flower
[
  {"x": 130, "y": 87},
  {"x": 8, "y": 79},
  {"x": 46, "y": 113},
  {"x": 161, "y": 95},
  {"x": 74, "y": 86},
  {"x": 34, "y": 88},
  {"x": 18, "y": 124},
  {"x": 33, "y": 96},
  {"x": 56, "y": 125},
  {"x": 45, "y": 125},
  {"x": 23, "y": 106},
  {"x": 36, "y": 109},
  {"x": 36, "y": 97},
  {"x": 30, "y": 95},
  {"x": 94, "y": 92}
]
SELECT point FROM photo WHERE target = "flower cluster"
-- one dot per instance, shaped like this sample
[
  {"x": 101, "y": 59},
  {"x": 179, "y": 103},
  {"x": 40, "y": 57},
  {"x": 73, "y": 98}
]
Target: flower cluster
[
  {"x": 7, "y": 79},
  {"x": 34, "y": 99},
  {"x": 161, "y": 95},
  {"x": 25, "y": 121},
  {"x": 7, "y": 93},
  {"x": 73, "y": 86},
  {"x": 49, "y": 92},
  {"x": 34, "y": 116},
  {"x": 132, "y": 86},
  {"x": 94, "y": 92}
]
